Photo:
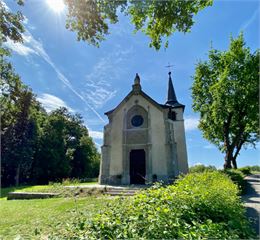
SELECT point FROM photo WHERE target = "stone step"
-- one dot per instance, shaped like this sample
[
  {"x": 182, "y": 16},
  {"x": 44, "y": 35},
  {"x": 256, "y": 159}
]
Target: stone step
[
  {"x": 29, "y": 195},
  {"x": 121, "y": 192}
]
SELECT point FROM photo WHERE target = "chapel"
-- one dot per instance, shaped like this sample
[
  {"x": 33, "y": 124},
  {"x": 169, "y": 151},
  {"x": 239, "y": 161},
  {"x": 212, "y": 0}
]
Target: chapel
[{"x": 144, "y": 141}]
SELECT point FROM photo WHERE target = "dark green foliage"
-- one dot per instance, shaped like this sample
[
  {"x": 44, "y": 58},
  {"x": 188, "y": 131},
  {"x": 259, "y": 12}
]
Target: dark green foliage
[
  {"x": 19, "y": 143},
  {"x": 19, "y": 129},
  {"x": 80, "y": 167},
  {"x": 238, "y": 178},
  {"x": 199, "y": 206},
  {"x": 11, "y": 24},
  {"x": 157, "y": 19},
  {"x": 65, "y": 149},
  {"x": 11, "y": 89},
  {"x": 245, "y": 170},
  {"x": 201, "y": 168},
  {"x": 226, "y": 92},
  {"x": 255, "y": 168},
  {"x": 91, "y": 19},
  {"x": 37, "y": 147}
]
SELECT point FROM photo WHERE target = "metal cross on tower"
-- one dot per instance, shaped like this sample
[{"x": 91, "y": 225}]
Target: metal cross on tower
[{"x": 169, "y": 66}]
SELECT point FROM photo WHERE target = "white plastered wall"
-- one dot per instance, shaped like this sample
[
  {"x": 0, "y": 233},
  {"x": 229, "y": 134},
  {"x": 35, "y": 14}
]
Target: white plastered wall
[
  {"x": 179, "y": 135},
  {"x": 157, "y": 133}
]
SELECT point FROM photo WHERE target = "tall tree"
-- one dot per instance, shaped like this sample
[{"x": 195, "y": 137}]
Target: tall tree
[
  {"x": 21, "y": 117},
  {"x": 35, "y": 146},
  {"x": 16, "y": 127},
  {"x": 85, "y": 159},
  {"x": 65, "y": 149},
  {"x": 52, "y": 164},
  {"x": 11, "y": 23},
  {"x": 156, "y": 19},
  {"x": 18, "y": 142},
  {"x": 226, "y": 93}
]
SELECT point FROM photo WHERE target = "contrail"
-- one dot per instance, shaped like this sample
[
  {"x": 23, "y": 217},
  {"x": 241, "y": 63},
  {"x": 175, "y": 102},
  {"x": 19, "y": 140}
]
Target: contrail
[
  {"x": 40, "y": 51},
  {"x": 245, "y": 25}
]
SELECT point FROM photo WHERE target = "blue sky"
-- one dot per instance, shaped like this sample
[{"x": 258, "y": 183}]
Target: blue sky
[{"x": 91, "y": 81}]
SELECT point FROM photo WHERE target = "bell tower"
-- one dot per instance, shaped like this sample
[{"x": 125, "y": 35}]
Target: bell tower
[{"x": 176, "y": 132}]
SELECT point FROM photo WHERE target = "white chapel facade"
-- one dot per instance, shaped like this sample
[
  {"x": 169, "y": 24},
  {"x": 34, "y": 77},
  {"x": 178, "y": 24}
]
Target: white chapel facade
[{"x": 144, "y": 141}]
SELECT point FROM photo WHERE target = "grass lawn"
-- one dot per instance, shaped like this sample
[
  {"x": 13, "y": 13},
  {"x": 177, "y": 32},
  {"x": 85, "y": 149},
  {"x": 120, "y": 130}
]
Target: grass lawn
[
  {"x": 23, "y": 217},
  {"x": 56, "y": 187}
]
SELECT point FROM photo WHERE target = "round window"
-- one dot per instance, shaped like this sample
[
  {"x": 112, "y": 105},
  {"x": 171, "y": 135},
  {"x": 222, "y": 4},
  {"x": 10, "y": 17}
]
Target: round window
[{"x": 137, "y": 120}]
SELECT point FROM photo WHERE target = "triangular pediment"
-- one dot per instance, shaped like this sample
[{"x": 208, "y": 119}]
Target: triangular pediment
[{"x": 134, "y": 93}]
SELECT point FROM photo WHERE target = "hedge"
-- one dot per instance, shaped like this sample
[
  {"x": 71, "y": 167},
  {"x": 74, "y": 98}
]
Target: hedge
[
  {"x": 238, "y": 178},
  {"x": 200, "y": 205},
  {"x": 245, "y": 170}
]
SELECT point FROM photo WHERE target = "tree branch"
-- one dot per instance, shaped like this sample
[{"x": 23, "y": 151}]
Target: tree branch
[{"x": 238, "y": 148}]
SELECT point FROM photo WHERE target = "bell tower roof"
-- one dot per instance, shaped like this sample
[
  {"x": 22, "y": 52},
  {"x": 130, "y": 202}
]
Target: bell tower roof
[
  {"x": 171, "y": 98},
  {"x": 171, "y": 93}
]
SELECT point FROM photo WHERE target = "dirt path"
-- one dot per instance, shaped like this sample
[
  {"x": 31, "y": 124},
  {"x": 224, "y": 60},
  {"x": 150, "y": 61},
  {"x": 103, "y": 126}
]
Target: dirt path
[{"x": 252, "y": 200}]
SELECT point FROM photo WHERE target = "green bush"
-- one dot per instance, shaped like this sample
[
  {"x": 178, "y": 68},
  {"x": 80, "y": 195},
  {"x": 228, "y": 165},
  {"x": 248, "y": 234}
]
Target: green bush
[
  {"x": 245, "y": 170},
  {"x": 238, "y": 178},
  {"x": 201, "y": 168},
  {"x": 201, "y": 205},
  {"x": 255, "y": 168}
]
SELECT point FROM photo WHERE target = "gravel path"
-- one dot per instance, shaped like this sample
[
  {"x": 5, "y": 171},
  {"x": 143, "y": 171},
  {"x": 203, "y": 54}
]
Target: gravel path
[{"x": 252, "y": 200}]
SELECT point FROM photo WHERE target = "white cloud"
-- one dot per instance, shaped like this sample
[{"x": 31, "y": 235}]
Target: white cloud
[
  {"x": 19, "y": 48},
  {"x": 97, "y": 88},
  {"x": 51, "y": 102},
  {"x": 33, "y": 46},
  {"x": 98, "y": 93},
  {"x": 96, "y": 134},
  {"x": 191, "y": 123}
]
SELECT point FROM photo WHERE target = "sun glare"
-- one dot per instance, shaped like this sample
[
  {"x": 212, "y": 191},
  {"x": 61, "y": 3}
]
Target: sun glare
[{"x": 56, "y": 5}]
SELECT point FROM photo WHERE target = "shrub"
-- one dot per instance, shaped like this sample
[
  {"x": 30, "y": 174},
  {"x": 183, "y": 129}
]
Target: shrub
[
  {"x": 255, "y": 168},
  {"x": 238, "y": 178},
  {"x": 70, "y": 181},
  {"x": 204, "y": 205},
  {"x": 245, "y": 170},
  {"x": 201, "y": 168}
]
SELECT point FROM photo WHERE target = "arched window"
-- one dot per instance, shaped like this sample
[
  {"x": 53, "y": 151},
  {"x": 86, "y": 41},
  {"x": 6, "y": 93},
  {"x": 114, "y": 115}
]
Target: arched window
[
  {"x": 172, "y": 115},
  {"x": 136, "y": 117}
]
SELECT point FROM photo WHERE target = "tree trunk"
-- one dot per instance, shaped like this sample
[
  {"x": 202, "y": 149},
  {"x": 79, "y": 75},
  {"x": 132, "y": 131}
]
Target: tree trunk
[
  {"x": 234, "y": 163},
  {"x": 17, "y": 176},
  {"x": 234, "y": 160},
  {"x": 228, "y": 159},
  {"x": 229, "y": 153}
]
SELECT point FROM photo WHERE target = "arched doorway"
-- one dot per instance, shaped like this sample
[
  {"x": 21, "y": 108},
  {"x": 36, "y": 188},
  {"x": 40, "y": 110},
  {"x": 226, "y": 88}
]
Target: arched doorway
[{"x": 137, "y": 166}]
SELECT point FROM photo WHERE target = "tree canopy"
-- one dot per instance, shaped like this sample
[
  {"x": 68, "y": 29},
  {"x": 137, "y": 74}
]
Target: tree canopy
[
  {"x": 157, "y": 19},
  {"x": 37, "y": 147},
  {"x": 226, "y": 93},
  {"x": 91, "y": 19},
  {"x": 11, "y": 23}
]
